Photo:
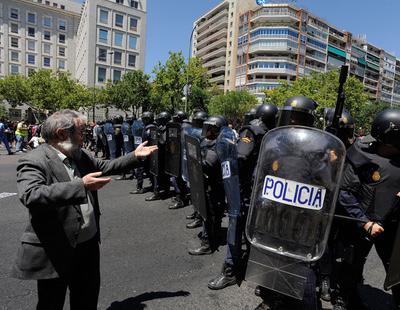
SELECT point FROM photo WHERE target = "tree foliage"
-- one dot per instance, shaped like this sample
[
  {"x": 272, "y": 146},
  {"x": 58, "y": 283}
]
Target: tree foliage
[
  {"x": 233, "y": 105},
  {"x": 15, "y": 89}
]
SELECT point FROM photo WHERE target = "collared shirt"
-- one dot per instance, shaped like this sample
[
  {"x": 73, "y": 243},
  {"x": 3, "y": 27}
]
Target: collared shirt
[{"x": 88, "y": 227}]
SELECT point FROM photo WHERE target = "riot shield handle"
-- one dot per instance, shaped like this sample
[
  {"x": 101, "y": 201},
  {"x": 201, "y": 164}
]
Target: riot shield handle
[{"x": 340, "y": 101}]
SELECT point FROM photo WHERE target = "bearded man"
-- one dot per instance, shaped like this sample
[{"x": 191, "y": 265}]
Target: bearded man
[{"x": 58, "y": 183}]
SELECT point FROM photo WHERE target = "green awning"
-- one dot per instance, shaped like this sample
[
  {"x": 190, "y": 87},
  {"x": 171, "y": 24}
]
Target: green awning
[
  {"x": 336, "y": 51},
  {"x": 362, "y": 61}
]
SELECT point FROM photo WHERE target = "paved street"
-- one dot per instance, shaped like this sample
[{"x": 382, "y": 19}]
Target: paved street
[{"x": 144, "y": 260}]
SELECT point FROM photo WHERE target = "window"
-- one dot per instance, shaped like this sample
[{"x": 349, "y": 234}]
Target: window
[
  {"x": 118, "y": 39},
  {"x": 55, "y": 4},
  {"x": 46, "y": 48},
  {"x": 47, "y": 2},
  {"x": 134, "y": 4},
  {"x": 14, "y": 56},
  {"x": 132, "y": 60},
  {"x": 14, "y": 69},
  {"x": 13, "y": 28},
  {"x": 117, "y": 58},
  {"x": 31, "y": 32},
  {"x": 14, "y": 13},
  {"x": 103, "y": 36},
  {"x": 61, "y": 51},
  {"x": 31, "y": 45},
  {"x": 119, "y": 1},
  {"x": 132, "y": 42},
  {"x": 102, "y": 54},
  {"x": 62, "y": 25},
  {"x": 31, "y": 59},
  {"x": 104, "y": 16},
  {"x": 101, "y": 75},
  {"x": 46, "y": 35},
  {"x": 116, "y": 75},
  {"x": 14, "y": 42},
  {"x": 31, "y": 18},
  {"x": 61, "y": 64},
  {"x": 62, "y": 7},
  {"x": 133, "y": 24},
  {"x": 119, "y": 20},
  {"x": 47, "y": 21},
  {"x": 61, "y": 38},
  {"x": 46, "y": 61}
]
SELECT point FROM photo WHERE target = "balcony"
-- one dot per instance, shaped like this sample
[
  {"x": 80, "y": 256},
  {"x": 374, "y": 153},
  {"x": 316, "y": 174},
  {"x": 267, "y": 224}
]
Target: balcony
[
  {"x": 208, "y": 22},
  {"x": 315, "y": 68},
  {"x": 218, "y": 79},
  {"x": 317, "y": 59},
  {"x": 274, "y": 15},
  {"x": 273, "y": 59},
  {"x": 215, "y": 27},
  {"x": 218, "y": 35},
  {"x": 220, "y": 69},
  {"x": 264, "y": 48},
  {"x": 269, "y": 81},
  {"x": 272, "y": 71},
  {"x": 215, "y": 45},
  {"x": 215, "y": 62},
  {"x": 217, "y": 53}
]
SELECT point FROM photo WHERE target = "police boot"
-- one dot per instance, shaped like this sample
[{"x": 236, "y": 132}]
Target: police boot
[
  {"x": 177, "y": 203},
  {"x": 325, "y": 289},
  {"x": 191, "y": 216},
  {"x": 225, "y": 279},
  {"x": 195, "y": 224},
  {"x": 155, "y": 196},
  {"x": 204, "y": 249}
]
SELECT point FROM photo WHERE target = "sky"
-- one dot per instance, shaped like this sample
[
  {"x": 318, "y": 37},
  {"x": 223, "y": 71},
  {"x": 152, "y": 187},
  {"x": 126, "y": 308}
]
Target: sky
[{"x": 169, "y": 23}]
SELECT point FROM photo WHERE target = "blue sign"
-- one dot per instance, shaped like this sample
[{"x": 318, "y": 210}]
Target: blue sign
[{"x": 261, "y": 2}]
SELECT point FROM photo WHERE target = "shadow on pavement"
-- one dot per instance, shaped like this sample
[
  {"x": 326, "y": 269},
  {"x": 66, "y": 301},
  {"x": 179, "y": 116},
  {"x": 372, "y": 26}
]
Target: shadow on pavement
[
  {"x": 136, "y": 303},
  {"x": 376, "y": 299}
]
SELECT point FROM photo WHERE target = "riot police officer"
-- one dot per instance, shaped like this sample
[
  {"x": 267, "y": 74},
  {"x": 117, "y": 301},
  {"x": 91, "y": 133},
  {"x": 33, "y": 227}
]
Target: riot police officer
[
  {"x": 119, "y": 140},
  {"x": 346, "y": 125},
  {"x": 198, "y": 120},
  {"x": 215, "y": 201},
  {"x": 250, "y": 115},
  {"x": 248, "y": 147},
  {"x": 370, "y": 194},
  {"x": 161, "y": 181},
  {"x": 148, "y": 123},
  {"x": 110, "y": 137},
  {"x": 181, "y": 190}
]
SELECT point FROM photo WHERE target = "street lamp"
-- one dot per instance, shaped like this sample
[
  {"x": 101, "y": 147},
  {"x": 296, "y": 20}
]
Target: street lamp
[{"x": 187, "y": 71}]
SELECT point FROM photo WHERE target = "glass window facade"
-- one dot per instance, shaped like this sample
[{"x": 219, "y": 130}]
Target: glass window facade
[
  {"x": 116, "y": 75},
  {"x": 119, "y": 20},
  {"x": 31, "y": 18},
  {"x": 117, "y": 58},
  {"x": 46, "y": 61},
  {"x": 31, "y": 59},
  {"x": 101, "y": 75},
  {"x": 104, "y": 16},
  {"x": 118, "y": 38},
  {"x": 132, "y": 42},
  {"x": 103, "y": 36}
]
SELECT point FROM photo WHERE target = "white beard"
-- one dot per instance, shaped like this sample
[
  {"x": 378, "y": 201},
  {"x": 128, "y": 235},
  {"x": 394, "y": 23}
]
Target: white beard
[{"x": 70, "y": 149}]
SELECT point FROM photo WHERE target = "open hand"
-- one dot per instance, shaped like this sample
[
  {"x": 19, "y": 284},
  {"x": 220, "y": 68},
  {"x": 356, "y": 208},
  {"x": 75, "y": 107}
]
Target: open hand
[
  {"x": 144, "y": 151},
  {"x": 93, "y": 183}
]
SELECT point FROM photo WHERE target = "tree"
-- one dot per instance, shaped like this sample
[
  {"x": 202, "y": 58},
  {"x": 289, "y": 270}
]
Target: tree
[
  {"x": 233, "y": 105},
  {"x": 15, "y": 89},
  {"x": 323, "y": 88},
  {"x": 3, "y": 111},
  {"x": 132, "y": 92},
  {"x": 198, "y": 80}
]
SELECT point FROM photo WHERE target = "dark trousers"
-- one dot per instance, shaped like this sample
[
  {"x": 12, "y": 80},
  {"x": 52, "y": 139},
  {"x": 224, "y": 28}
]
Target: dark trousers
[{"x": 83, "y": 282}]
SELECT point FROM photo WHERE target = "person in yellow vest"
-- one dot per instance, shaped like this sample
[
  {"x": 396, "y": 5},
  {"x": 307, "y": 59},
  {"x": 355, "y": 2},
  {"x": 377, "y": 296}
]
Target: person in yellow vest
[{"x": 21, "y": 135}]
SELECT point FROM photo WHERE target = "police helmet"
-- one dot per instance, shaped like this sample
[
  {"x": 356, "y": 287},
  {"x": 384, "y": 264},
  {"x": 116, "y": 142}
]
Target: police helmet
[
  {"x": 298, "y": 110},
  {"x": 250, "y": 115},
  {"x": 267, "y": 114},
  {"x": 179, "y": 117},
  {"x": 163, "y": 118},
  {"x": 118, "y": 119},
  {"x": 386, "y": 127},
  {"x": 199, "y": 118},
  {"x": 346, "y": 123},
  {"x": 147, "y": 118},
  {"x": 213, "y": 125}
]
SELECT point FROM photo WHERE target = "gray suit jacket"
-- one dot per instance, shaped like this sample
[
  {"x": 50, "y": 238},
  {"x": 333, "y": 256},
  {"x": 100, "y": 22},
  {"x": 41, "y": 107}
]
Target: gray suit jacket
[{"x": 55, "y": 217}]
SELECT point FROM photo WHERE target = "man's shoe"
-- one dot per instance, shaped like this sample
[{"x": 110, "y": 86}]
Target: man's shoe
[
  {"x": 177, "y": 204},
  {"x": 191, "y": 216},
  {"x": 196, "y": 223},
  {"x": 11, "y": 153},
  {"x": 204, "y": 249},
  {"x": 326, "y": 289},
  {"x": 138, "y": 191},
  {"x": 153, "y": 197},
  {"x": 226, "y": 278}
]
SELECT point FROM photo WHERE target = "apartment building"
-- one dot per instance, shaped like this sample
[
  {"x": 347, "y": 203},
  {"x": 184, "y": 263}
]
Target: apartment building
[{"x": 279, "y": 41}]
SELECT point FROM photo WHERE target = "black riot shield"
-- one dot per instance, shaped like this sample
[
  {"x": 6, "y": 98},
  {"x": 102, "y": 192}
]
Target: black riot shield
[
  {"x": 173, "y": 150},
  {"x": 190, "y": 131},
  {"x": 393, "y": 273},
  {"x": 293, "y": 203},
  {"x": 137, "y": 133},
  {"x": 110, "y": 136},
  {"x": 127, "y": 136},
  {"x": 196, "y": 176},
  {"x": 154, "y": 167},
  {"x": 227, "y": 155}
]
